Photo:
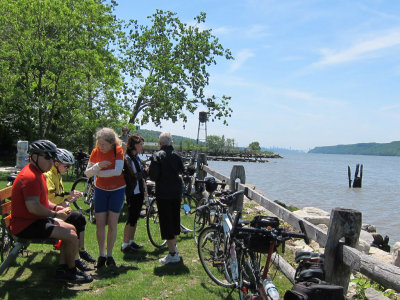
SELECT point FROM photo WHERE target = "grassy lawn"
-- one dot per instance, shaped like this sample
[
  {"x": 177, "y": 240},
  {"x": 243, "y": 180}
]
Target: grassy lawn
[{"x": 137, "y": 276}]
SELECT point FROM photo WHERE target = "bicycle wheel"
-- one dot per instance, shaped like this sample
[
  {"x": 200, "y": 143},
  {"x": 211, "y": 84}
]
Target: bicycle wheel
[
  {"x": 85, "y": 204},
  {"x": 188, "y": 206},
  {"x": 247, "y": 274},
  {"x": 153, "y": 225},
  {"x": 200, "y": 220},
  {"x": 6, "y": 243},
  {"x": 214, "y": 256}
]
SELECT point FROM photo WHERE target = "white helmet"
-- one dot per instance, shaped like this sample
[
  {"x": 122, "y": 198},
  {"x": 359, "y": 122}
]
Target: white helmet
[{"x": 65, "y": 157}]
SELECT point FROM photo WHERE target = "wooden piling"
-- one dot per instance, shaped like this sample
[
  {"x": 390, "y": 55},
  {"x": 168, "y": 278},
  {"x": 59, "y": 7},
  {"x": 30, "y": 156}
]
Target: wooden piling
[
  {"x": 344, "y": 223},
  {"x": 237, "y": 172}
]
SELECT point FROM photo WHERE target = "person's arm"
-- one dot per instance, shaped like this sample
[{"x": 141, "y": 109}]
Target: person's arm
[
  {"x": 36, "y": 208},
  {"x": 154, "y": 169},
  {"x": 92, "y": 169},
  {"x": 119, "y": 165}
]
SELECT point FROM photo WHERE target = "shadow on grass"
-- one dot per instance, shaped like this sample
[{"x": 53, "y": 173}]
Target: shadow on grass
[
  {"x": 41, "y": 282},
  {"x": 222, "y": 293},
  {"x": 139, "y": 255},
  {"x": 113, "y": 271},
  {"x": 171, "y": 269}
]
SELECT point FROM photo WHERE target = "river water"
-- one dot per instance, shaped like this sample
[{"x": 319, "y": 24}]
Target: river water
[{"x": 320, "y": 180}]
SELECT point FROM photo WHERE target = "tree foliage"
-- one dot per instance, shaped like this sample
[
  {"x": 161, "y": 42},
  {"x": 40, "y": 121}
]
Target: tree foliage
[
  {"x": 254, "y": 147},
  {"x": 68, "y": 67},
  {"x": 58, "y": 75},
  {"x": 165, "y": 67}
]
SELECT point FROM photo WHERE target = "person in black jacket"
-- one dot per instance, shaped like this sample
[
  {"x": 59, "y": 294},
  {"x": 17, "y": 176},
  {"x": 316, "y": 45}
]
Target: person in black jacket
[
  {"x": 165, "y": 167},
  {"x": 134, "y": 175}
]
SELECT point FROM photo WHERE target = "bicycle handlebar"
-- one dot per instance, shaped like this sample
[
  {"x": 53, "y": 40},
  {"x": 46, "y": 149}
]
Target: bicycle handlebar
[
  {"x": 228, "y": 199},
  {"x": 276, "y": 234}
]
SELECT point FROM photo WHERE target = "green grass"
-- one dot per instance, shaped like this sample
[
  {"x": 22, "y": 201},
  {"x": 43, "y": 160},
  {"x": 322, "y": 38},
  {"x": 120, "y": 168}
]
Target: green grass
[{"x": 137, "y": 276}]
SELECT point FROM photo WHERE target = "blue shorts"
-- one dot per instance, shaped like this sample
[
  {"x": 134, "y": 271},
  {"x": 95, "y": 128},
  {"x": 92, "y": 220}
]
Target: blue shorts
[{"x": 108, "y": 200}]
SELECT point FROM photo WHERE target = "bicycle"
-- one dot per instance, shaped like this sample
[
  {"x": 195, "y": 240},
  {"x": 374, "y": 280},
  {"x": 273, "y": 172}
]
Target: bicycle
[
  {"x": 263, "y": 236},
  {"x": 85, "y": 204},
  {"x": 205, "y": 213},
  {"x": 214, "y": 243},
  {"x": 81, "y": 161}
]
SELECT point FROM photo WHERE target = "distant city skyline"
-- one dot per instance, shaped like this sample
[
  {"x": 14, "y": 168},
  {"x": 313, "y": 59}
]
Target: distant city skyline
[{"x": 305, "y": 74}]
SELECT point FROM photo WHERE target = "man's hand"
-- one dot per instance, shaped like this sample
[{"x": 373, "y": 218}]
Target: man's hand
[{"x": 104, "y": 164}]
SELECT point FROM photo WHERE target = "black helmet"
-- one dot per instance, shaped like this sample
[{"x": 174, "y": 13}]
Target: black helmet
[
  {"x": 211, "y": 184},
  {"x": 65, "y": 157},
  {"x": 43, "y": 146}
]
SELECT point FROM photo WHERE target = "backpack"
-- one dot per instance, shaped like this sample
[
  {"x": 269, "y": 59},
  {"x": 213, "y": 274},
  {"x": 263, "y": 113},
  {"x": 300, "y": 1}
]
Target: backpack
[{"x": 310, "y": 290}]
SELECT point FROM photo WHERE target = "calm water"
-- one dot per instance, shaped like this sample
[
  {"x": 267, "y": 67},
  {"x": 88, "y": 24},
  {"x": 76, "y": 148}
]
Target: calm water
[{"x": 320, "y": 180}]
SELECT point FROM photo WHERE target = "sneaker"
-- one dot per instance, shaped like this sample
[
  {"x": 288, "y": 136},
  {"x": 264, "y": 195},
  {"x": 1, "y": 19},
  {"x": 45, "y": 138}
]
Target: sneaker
[
  {"x": 101, "y": 262},
  {"x": 135, "y": 245},
  {"x": 86, "y": 256},
  {"x": 110, "y": 261},
  {"x": 128, "y": 249},
  {"x": 80, "y": 264},
  {"x": 170, "y": 259},
  {"x": 71, "y": 275},
  {"x": 87, "y": 277}
]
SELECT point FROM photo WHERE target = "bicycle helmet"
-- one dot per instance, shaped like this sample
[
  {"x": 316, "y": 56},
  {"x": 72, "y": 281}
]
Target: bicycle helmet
[
  {"x": 43, "y": 147},
  {"x": 211, "y": 184},
  {"x": 65, "y": 157}
]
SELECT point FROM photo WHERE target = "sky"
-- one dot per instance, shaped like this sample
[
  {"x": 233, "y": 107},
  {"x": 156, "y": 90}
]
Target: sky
[{"x": 306, "y": 73}]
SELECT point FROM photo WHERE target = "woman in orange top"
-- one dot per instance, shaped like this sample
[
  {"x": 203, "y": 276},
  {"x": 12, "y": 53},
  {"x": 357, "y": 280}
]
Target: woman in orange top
[{"x": 106, "y": 163}]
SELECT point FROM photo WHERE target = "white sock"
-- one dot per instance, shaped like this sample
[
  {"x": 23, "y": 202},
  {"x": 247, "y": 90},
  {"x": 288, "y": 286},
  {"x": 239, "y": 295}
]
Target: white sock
[{"x": 124, "y": 245}]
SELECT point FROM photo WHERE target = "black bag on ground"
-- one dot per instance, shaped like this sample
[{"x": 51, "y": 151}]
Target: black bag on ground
[{"x": 315, "y": 291}]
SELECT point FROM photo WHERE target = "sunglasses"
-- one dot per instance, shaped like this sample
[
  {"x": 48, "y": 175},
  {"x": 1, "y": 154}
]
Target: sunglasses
[
  {"x": 47, "y": 156},
  {"x": 66, "y": 166}
]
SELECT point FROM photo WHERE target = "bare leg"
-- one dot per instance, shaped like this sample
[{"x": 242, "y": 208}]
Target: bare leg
[
  {"x": 82, "y": 240},
  {"x": 69, "y": 245},
  {"x": 101, "y": 219},
  {"x": 129, "y": 233},
  {"x": 171, "y": 245},
  {"x": 112, "y": 231}
]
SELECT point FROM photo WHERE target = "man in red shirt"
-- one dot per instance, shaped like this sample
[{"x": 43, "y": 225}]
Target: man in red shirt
[{"x": 33, "y": 216}]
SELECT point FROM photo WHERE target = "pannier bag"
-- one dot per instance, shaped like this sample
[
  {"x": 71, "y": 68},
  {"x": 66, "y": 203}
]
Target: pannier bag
[
  {"x": 315, "y": 291},
  {"x": 311, "y": 266},
  {"x": 259, "y": 242}
]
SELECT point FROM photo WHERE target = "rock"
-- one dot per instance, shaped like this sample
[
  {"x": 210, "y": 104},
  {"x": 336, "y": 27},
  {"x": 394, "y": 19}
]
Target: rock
[
  {"x": 396, "y": 254},
  {"x": 313, "y": 215},
  {"x": 368, "y": 228},
  {"x": 381, "y": 255},
  {"x": 366, "y": 236},
  {"x": 351, "y": 290},
  {"x": 363, "y": 246},
  {"x": 323, "y": 227},
  {"x": 372, "y": 294}
]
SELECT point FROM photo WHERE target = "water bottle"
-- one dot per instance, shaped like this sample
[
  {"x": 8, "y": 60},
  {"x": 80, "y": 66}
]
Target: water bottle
[
  {"x": 233, "y": 262},
  {"x": 270, "y": 289}
]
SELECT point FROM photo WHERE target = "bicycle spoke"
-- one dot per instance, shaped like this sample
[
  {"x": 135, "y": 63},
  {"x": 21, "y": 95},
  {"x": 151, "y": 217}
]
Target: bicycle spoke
[{"x": 153, "y": 225}]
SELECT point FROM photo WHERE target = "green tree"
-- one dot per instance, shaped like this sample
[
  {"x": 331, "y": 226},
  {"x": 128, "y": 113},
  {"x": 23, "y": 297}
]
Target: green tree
[
  {"x": 254, "y": 147},
  {"x": 165, "y": 67},
  {"x": 58, "y": 76},
  {"x": 215, "y": 143}
]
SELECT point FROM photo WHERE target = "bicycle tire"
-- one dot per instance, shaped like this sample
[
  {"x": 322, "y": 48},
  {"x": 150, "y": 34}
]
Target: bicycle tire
[
  {"x": 153, "y": 225},
  {"x": 85, "y": 204},
  {"x": 6, "y": 243},
  {"x": 200, "y": 221},
  {"x": 213, "y": 254},
  {"x": 247, "y": 275},
  {"x": 187, "y": 218}
]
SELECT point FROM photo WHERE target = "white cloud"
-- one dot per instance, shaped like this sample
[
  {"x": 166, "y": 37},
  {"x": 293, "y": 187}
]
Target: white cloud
[
  {"x": 240, "y": 59},
  {"x": 390, "y": 108},
  {"x": 256, "y": 31},
  {"x": 361, "y": 50}
]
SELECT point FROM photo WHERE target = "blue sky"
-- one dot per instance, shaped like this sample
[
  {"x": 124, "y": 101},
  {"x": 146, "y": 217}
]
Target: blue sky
[{"x": 306, "y": 73}]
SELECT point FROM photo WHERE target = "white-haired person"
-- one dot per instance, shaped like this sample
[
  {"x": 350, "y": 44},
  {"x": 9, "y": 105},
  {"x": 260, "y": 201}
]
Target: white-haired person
[
  {"x": 60, "y": 198},
  {"x": 106, "y": 163},
  {"x": 165, "y": 167}
]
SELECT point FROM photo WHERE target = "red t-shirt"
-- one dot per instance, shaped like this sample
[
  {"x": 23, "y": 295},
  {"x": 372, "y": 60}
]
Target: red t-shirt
[
  {"x": 113, "y": 182},
  {"x": 29, "y": 182}
]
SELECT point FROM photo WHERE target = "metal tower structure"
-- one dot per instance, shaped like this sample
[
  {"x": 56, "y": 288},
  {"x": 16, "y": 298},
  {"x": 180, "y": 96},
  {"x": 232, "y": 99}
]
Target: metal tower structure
[{"x": 202, "y": 126}]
